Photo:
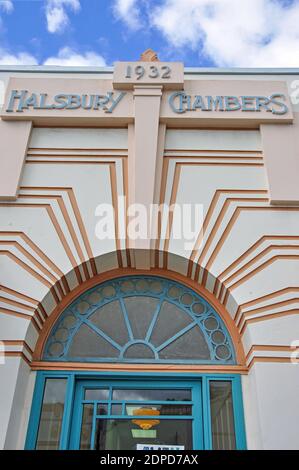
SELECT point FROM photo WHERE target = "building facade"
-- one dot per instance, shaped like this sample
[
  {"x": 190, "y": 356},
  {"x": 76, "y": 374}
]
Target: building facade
[{"x": 149, "y": 222}]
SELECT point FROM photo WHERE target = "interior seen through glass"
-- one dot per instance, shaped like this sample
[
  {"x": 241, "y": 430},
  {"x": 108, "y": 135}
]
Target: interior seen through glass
[
  {"x": 119, "y": 418},
  {"x": 50, "y": 424},
  {"x": 113, "y": 434},
  {"x": 144, "y": 422},
  {"x": 222, "y": 415}
]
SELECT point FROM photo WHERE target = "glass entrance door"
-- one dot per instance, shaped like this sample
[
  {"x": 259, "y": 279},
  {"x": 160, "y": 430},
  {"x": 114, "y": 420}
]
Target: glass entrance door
[{"x": 128, "y": 415}]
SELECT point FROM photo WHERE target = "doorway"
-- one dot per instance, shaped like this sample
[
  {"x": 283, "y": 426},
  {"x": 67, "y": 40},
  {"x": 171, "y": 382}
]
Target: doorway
[
  {"x": 127, "y": 359},
  {"x": 123, "y": 415},
  {"x": 127, "y": 411}
]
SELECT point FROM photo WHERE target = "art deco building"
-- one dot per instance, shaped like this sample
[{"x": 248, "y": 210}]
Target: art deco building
[{"x": 149, "y": 235}]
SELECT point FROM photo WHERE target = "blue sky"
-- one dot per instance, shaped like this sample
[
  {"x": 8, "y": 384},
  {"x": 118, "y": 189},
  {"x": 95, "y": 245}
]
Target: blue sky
[{"x": 224, "y": 33}]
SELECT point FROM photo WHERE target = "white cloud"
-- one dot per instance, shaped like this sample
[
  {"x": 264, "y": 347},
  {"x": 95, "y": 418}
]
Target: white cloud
[
  {"x": 247, "y": 33},
  {"x": 128, "y": 11},
  {"x": 22, "y": 58},
  {"x": 68, "y": 56},
  {"x": 56, "y": 14},
  {"x": 6, "y": 6},
  {"x": 65, "y": 57}
]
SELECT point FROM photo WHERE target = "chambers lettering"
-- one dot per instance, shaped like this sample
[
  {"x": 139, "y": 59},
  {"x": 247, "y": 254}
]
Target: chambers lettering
[
  {"x": 22, "y": 100},
  {"x": 180, "y": 103}
]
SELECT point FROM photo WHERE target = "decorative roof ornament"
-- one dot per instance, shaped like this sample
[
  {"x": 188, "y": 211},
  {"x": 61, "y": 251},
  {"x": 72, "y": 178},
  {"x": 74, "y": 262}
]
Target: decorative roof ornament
[{"x": 149, "y": 56}]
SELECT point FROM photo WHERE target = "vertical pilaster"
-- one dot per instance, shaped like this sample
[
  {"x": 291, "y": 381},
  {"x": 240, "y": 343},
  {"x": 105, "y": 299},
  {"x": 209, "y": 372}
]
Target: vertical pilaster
[
  {"x": 281, "y": 154},
  {"x": 14, "y": 139},
  {"x": 143, "y": 167}
]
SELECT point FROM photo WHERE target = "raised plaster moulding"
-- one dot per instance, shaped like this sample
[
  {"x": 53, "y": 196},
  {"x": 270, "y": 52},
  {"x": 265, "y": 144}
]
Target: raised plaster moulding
[{"x": 149, "y": 56}]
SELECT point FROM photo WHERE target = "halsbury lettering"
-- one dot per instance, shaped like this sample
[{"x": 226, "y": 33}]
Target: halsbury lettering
[
  {"x": 21, "y": 100},
  {"x": 181, "y": 103}
]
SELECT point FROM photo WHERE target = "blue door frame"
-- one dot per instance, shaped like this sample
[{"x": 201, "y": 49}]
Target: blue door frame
[
  {"x": 196, "y": 403},
  {"x": 200, "y": 382}
]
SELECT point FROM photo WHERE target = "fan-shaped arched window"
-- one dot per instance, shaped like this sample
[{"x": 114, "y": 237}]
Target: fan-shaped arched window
[{"x": 143, "y": 319}]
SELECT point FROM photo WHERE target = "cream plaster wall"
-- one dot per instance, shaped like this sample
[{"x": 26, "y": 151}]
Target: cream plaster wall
[
  {"x": 272, "y": 391},
  {"x": 247, "y": 258}
]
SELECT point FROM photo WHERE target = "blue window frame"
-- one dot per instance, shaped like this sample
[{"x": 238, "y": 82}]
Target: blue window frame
[
  {"x": 140, "y": 319},
  {"x": 137, "y": 319},
  {"x": 72, "y": 412}
]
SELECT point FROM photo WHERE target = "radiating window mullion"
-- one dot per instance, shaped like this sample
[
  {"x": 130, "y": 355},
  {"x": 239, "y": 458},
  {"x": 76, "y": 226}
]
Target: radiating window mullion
[
  {"x": 177, "y": 335},
  {"x": 153, "y": 322},
  {"x": 126, "y": 318},
  {"x": 140, "y": 319},
  {"x": 101, "y": 333}
]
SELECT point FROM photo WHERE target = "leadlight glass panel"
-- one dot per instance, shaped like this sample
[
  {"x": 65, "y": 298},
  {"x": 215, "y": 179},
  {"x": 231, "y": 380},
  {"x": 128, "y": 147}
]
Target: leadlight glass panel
[
  {"x": 145, "y": 319},
  {"x": 87, "y": 343},
  {"x": 136, "y": 351},
  {"x": 191, "y": 345},
  {"x": 140, "y": 312},
  {"x": 171, "y": 321},
  {"x": 110, "y": 320}
]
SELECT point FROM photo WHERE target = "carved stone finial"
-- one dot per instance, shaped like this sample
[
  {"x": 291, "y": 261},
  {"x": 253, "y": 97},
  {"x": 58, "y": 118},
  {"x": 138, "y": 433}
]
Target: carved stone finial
[{"x": 149, "y": 56}]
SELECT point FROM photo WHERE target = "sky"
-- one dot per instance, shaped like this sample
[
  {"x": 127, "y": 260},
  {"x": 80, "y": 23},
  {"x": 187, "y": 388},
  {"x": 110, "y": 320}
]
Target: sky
[{"x": 201, "y": 33}]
